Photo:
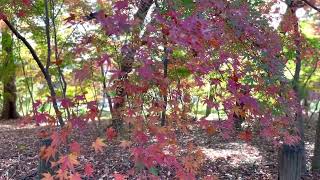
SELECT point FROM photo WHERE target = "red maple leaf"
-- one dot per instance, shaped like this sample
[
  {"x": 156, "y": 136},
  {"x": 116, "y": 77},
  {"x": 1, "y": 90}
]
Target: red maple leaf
[
  {"x": 75, "y": 147},
  {"x": 88, "y": 169},
  {"x": 21, "y": 13},
  {"x": 66, "y": 103},
  {"x": 56, "y": 139},
  {"x": 83, "y": 73},
  {"x": 118, "y": 176},
  {"x": 245, "y": 135},
  {"x": 121, "y": 4},
  {"x": 26, "y": 2},
  {"x": 111, "y": 133}
]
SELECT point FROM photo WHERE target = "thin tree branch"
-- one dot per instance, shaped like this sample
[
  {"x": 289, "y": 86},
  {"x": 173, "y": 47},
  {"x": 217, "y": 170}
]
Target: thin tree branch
[
  {"x": 41, "y": 66},
  {"x": 27, "y": 44},
  {"x": 65, "y": 42},
  {"x": 311, "y": 5},
  {"x": 310, "y": 75},
  {"x": 317, "y": 105}
]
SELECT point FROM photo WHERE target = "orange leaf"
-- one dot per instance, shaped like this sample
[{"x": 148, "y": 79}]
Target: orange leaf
[
  {"x": 57, "y": 62},
  {"x": 49, "y": 152},
  {"x": 75, "y": 176},
  {"x": 68, "y": 162},
  {"x": 61, "y": 175},
  {"x": 239, "y": 111},
  {"x": 214, "y": 43},
  {"x": 98, "y": 145},
  {"x": 47, "y": 176},
  {"x": 211, "y": 130},
  {"x": 245, "y": 135}
]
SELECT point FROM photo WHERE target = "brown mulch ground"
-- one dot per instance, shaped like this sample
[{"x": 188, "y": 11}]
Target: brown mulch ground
[{"x": 224, "y": 159}]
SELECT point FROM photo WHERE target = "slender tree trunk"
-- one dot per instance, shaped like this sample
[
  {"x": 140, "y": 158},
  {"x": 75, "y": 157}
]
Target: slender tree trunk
[
  {"x": 9, "y": 110},
  {"x": 126, "y": 66},
  {"x": 165, "y": 75},
  {"x": 208, "y": 108},
  {"x": 296, "y": 80}
]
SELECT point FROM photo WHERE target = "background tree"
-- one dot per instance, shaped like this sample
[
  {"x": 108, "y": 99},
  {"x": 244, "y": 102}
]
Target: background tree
[{"x": 8, "y": 77}]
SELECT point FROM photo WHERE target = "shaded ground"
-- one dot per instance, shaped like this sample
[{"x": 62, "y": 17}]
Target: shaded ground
[{"x": 224, "y": 159}]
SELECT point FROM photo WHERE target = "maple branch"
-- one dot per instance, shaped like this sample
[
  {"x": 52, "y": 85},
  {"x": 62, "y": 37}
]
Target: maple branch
[
  {"x": 27, "y": 44},
  {"x": 41, "y": 66},
  {"x": 311, "y": 5}
]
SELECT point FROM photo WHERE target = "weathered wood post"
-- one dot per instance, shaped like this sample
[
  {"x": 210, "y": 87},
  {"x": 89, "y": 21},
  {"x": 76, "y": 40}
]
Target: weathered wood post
[{"x": 290, "y": 162}]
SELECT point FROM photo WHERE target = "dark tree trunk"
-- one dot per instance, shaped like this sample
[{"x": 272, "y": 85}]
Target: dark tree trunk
[
  {"x": 290, "y": 159},
  {"x": 238, "y": 119},
  {"x": 316, "y": 154},
  {"x": 9, "y": 110}
]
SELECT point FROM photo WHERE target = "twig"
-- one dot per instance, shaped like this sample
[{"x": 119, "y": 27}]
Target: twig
[{"x": 311, "y": 5}]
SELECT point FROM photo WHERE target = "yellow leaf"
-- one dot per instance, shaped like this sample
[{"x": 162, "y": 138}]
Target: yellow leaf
[
  {"x": 239, "y": 111},
  {"x": 73, "y": 159}
]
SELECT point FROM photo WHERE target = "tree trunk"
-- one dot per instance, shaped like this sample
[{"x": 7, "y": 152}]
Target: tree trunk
[
  {"x": 296, "y": 161},
  {"x": 208, "y": 108},
  {"x": 126, "y": 66},
  {"x": 9, "y": 110},
  {"x": 290, "y": 159},
  {"x": 315, "y": 166}
]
